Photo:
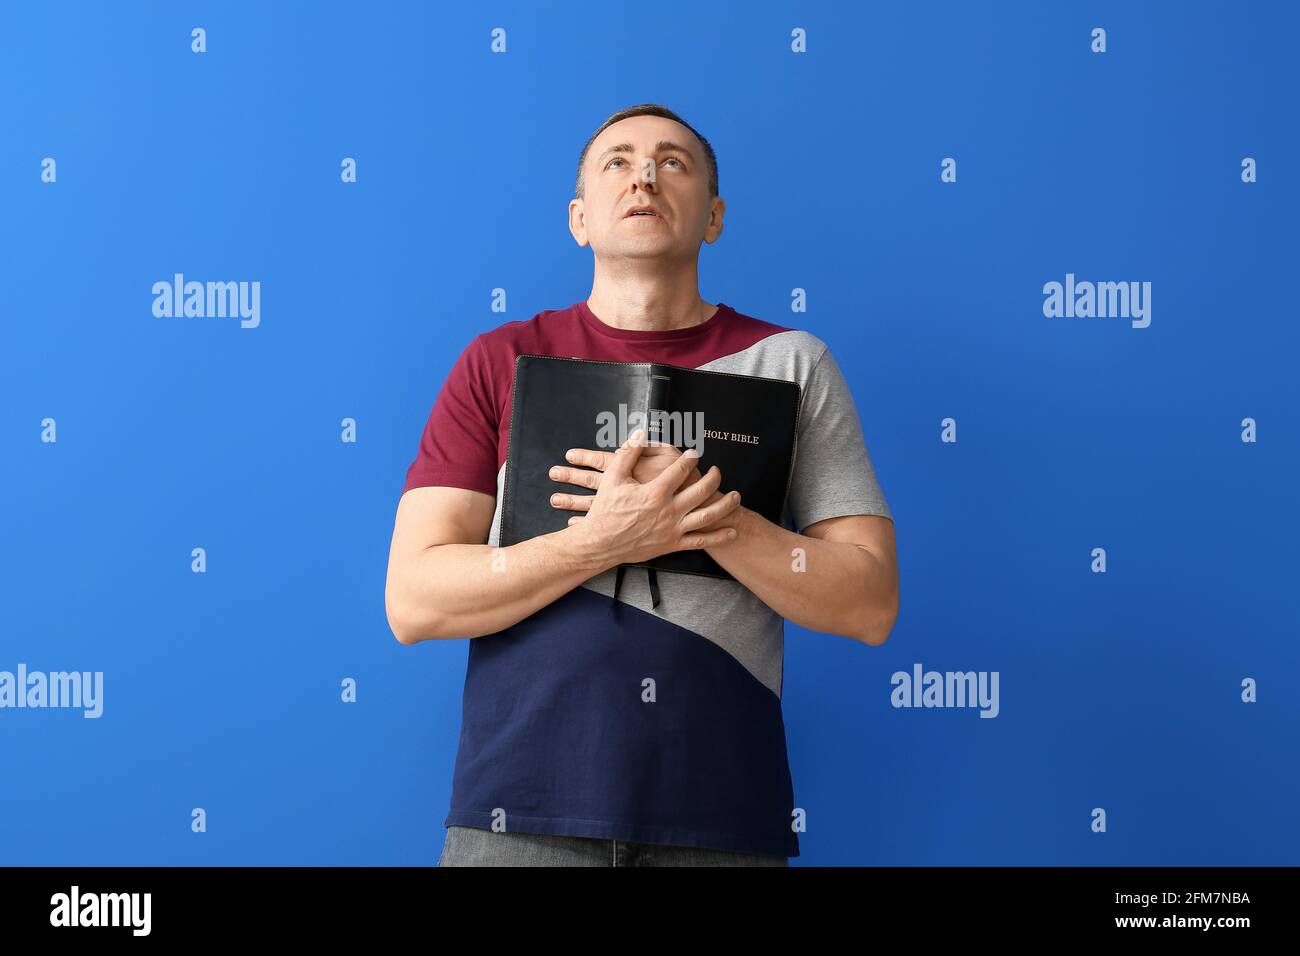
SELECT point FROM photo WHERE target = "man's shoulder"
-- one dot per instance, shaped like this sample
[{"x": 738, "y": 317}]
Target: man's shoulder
[
  {"x": 775, "y": 336},
  {"x": 769, "y": 349},
  {"x": 543, "y": 334}
]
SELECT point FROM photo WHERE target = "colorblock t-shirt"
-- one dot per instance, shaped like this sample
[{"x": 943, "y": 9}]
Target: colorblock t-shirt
[{"x": 606, "y": 714}]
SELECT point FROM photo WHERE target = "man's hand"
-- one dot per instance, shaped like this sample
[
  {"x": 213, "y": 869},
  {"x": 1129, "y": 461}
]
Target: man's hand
[
  {"x": 647, "y": 503},
  {"x": 655, "y": 458}
]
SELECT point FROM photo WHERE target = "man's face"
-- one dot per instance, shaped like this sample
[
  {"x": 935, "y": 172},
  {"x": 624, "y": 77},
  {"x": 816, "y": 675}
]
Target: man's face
[{"x": 646, "y": 161}]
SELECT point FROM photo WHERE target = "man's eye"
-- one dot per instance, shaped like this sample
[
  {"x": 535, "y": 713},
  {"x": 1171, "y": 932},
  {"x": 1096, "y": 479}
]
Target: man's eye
[{"x": 670, "y": 159}]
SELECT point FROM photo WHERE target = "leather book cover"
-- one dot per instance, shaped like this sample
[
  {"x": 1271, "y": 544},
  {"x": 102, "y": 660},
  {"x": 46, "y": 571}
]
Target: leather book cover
[{"x": 744, "y": 424}]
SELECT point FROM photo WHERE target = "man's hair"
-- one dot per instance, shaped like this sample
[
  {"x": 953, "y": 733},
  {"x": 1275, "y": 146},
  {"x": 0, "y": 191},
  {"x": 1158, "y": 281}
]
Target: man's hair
[{"x": 648, "y": 109}]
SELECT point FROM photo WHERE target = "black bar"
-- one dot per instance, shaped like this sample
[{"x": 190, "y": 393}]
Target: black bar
[{"x": 334, "y": 904}]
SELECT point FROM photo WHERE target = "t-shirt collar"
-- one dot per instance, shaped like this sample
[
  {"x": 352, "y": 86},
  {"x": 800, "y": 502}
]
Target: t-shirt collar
[{"x": 646, "y": 335}]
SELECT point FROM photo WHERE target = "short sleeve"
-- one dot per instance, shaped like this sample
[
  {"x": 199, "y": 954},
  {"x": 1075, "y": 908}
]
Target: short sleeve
[
  {"x": 833, "y": 475},
  {"x": 458, "y": 447}
]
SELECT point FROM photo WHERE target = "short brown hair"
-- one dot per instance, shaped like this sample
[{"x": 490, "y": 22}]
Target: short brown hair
[{"x": 648, "y": 109}]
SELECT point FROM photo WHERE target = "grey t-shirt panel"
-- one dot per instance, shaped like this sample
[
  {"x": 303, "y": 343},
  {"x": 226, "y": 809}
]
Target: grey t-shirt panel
[{"x": 833, "y": 474}]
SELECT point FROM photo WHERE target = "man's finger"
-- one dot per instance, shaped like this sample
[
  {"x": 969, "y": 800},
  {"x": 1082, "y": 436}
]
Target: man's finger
[
  {"x": 671, "y": 478},
  {"x": 708, "y": 514},
  {"x": 589, "y": 457},
  {"x": 620, "y": 469},
  {"x": 575, "y": 476},
  {"x": 707, "y": 539},
  {"x": 696, "y": 493},
  {"x": 572, "y": 502}
]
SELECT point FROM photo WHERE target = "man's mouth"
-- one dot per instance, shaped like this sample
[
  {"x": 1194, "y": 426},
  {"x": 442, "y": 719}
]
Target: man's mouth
[{"x": 642, "y": 211}]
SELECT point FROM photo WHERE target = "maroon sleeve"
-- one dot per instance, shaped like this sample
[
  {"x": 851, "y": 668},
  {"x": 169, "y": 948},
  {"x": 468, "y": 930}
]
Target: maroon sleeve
[{"x": 458, "y": 448}]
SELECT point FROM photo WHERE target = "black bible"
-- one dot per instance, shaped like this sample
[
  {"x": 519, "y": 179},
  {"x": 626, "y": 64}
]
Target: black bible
[{"x": 744, "y": 424}]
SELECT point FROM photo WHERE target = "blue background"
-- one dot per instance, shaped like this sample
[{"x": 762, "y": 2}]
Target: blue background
[{"x": 222, "y": 690}]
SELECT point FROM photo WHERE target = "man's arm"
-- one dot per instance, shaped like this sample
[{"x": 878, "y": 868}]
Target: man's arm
[
  {"x": 445, "y": 581},
  {"x": 839, "y": 577},
  {"x": 849, "y": 579}
]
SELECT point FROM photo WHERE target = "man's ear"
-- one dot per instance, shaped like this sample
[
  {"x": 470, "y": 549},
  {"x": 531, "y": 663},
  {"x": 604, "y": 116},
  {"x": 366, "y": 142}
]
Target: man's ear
[
  {"x": 714, "y": 229},
  {"x": 578, "y": 221}
]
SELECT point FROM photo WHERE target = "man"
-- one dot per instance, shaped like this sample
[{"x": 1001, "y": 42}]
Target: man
[{"x": 641, "y": 724}]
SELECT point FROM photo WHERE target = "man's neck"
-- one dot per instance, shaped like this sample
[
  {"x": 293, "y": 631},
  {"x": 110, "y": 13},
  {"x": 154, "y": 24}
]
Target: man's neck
[{"x": 651, "y": 304}]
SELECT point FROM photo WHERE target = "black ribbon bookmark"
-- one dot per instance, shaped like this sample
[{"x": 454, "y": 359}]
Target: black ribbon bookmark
[{"x": 651, "y": 575}]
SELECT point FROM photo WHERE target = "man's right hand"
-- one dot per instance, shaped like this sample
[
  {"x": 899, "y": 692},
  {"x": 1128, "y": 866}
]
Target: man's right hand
[{"x": 629, "y": 522}]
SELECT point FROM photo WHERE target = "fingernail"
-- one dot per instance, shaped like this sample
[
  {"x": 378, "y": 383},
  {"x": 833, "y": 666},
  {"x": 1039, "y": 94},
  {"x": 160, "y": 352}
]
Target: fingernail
[
  {"x": 555, "y": 499},
  {"x": 554, "y": 472},
  {"x": 690, "y": 453},
  {"x": 731, "y": 533},
  {"x": 570, "y": 455}
]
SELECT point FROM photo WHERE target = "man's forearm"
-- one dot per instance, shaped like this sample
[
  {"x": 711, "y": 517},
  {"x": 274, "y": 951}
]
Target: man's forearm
[
  {"x": 834, "y": 587},
  {"x": 469, "y": 590}
]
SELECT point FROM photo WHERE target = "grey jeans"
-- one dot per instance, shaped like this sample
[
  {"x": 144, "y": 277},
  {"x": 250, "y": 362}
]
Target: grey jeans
[{"x": 472, "y": 846}]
